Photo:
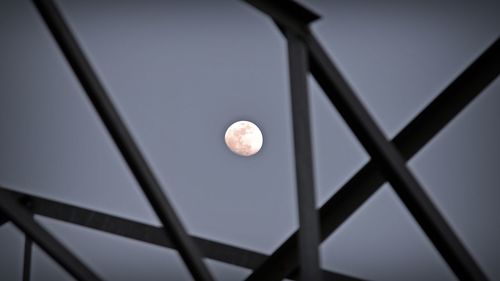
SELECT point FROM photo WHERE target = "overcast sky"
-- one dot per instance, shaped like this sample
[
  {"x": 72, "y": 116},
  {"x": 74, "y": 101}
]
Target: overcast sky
[{"x": 180, "y": 72}]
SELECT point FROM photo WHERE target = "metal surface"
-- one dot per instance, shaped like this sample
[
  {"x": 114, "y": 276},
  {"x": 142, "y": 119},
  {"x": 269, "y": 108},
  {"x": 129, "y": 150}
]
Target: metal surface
[
  {"x": 122, "y": 138},
  {"x": 145, "y": 232},
  {"x": 28, "y": 249},
  {"x": 23, "y": 219},
  {"x": 304, "y": 173}
]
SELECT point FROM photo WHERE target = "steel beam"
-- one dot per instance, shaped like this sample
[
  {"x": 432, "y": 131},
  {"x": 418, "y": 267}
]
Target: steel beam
[
  {"x": 427, "y": 124},
  {"x": 3, "y": 219},
  {"x": 23, "y": 219},
  {"x": 288, "y": 13},
  {"x": 28, "y": 249},
  {"x": 145, "y": 232},
  {"x": 304, "y": 173},
  {"x": 123, "y": 139}
]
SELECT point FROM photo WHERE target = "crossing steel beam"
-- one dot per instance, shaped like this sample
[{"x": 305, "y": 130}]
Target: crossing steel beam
[{"x": 22, "y": 218}]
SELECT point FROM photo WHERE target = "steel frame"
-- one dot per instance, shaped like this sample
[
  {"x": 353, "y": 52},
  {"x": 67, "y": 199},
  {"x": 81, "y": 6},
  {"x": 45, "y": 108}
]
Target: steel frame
[
  {"x": 28, "y": 249},
  {"x": 308, "y": 218},
  {"x": 298, "y": 256},
  {"x": 22, "y": 218}
]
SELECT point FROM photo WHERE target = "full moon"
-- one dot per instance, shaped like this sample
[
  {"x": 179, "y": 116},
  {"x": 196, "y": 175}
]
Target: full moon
[{"x": 244, "y": 138}]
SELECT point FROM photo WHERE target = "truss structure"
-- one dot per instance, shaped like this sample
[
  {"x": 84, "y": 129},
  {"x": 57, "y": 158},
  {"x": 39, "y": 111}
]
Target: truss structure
[{"x": 297, "y": 258}]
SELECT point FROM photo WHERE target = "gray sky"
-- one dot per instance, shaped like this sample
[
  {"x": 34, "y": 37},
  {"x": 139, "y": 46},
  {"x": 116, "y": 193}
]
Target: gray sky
[{"x": 180, "y": 73}]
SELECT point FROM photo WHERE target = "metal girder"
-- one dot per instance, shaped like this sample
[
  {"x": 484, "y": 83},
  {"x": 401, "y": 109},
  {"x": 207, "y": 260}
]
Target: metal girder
[
  {"x": 28, "y": 249},
  {"x": 304, "y": 173},
  {"x": 3, "y": 219},
  {"x": 23, "y": 219},
  {"x": 123, "y": 139},
  {"x": 451, "y": 101},
  {"x": 288, "y": 13},
  {"x": 146, "y": 233}
]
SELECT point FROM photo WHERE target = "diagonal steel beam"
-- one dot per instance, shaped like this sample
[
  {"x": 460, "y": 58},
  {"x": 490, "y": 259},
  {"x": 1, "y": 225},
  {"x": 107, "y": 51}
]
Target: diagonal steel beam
[
  {"x": 304, "y": 173},
  {"x": 145, "y": 232},
  {"x": 23, "y": 219},
  {"x": 408, "y": 141},
  {"x": 123, "y": 139}
]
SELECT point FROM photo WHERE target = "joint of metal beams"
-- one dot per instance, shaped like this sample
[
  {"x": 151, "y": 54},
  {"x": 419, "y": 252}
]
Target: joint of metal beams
[
  {"x": 392, "y": 165},
  {"x": 23, "y": 219},
  {"x": 287, "y": 13},
  {"x": 122, "y": 138}
]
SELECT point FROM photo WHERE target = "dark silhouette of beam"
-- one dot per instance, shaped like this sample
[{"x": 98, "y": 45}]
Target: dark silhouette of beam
[
  {"x": 288, "y": 13},
  {"x": 23, "y": 219},
  {"x": 3, "y": 219},
  {"x": 304, "y": 173},
  {"x": 145, "y": 232},
  {"x": 123, "y": 139},
  {"x": 28, "y": 249},
  {"x": 446, "y": 106}
]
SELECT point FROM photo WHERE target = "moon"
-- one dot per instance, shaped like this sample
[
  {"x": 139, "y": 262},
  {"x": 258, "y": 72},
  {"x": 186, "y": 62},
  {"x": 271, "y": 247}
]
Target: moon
[{"x": 244, "y": 138}]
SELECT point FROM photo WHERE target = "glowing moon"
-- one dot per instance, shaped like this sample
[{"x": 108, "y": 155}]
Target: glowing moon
[{"x": 244, "y": 138}]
